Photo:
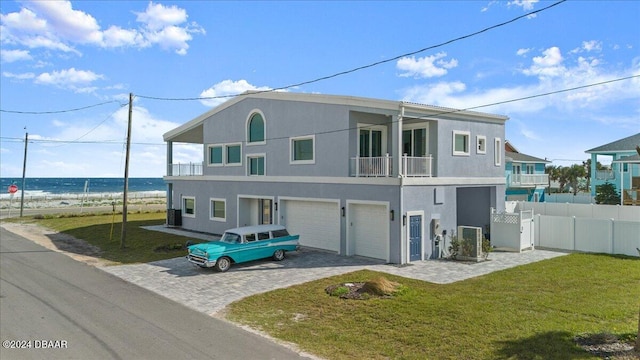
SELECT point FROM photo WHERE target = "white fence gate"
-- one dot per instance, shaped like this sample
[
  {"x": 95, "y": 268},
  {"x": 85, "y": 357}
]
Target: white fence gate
[
  {"x": 610, "y": 229},
  {"x": 512, "y": 231}
]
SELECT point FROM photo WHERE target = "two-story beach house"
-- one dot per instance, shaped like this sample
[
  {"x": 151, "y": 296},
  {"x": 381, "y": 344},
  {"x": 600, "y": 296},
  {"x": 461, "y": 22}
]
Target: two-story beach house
[
  {"x": 526, "y": 178},
  {"x": 625, "y": 168},
  {"x": 355, "y": 176}
]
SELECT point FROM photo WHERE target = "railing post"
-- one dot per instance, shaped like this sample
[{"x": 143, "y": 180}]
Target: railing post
[
  {"x": 357, "y": 165},
  {"x": 386, "y": 165},
  {"x": 404, "y": 165}
]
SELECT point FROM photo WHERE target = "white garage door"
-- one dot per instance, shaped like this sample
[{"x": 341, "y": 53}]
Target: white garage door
[
  {"x": 317, "y": 222},
  {"x": 369, "y": 231}
]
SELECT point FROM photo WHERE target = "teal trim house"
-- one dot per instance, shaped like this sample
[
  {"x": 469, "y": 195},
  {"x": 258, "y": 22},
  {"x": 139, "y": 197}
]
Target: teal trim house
[
  {"x": 526, "y": 178},
  {"x": 623, "y": 174}
]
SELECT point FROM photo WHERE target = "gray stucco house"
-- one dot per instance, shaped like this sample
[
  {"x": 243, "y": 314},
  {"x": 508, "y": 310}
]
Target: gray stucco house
[{"x": 356, "y": 176}]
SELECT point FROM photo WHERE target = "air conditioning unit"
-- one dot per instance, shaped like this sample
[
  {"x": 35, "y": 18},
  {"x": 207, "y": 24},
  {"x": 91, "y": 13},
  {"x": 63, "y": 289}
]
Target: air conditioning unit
[{"x": 470, "y": 243}]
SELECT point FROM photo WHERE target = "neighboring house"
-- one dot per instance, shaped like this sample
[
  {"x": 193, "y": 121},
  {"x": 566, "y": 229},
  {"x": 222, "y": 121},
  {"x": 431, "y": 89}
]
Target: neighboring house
[
  {"x": 352, "y": 175},
  {"x": 624, "y": 173},
  {"x": 526, "y": 178}
]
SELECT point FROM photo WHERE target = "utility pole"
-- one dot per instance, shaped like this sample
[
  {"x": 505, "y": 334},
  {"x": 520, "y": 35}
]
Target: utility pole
[
  {"x": 24, "y": 171},
  {"x": 126, "y": 177}
]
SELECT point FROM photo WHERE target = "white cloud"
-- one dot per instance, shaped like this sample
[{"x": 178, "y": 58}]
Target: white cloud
[
  {"x": 588, "y": 46},
  {"x": 116, "y": 36},
  {"x": 68, "y": 78},
  {"x": 94, "y": 146},
  {"x": 69, "y": 24},
  {"x": 226, "y": 89},
  {"x": 425, "y": 67},
  {"x": 9, "y": 56},
  {"x": 434, "y": 93},
  {"x": 522, "y": 52},
  {"x": 526, "y": 5},
  {"x": 158, "y": 16},
  {"x": 549, "y": 65},
  {"x": 55, "y": 25},
  {"x": 592, "y": 45},
  {"x": 23, "y": 76},
  {"x": 547, "y": 73}
]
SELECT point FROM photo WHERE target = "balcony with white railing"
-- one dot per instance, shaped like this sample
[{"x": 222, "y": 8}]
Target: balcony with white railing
[
  {"x": 605, "y": 175},
  {"x": 382, "y": 166},
  {"x": 527, "y": 180},
  {"x": 189, "y": 169}
]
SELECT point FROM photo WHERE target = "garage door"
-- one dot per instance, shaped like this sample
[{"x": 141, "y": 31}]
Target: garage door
[
  {"x": 369, "y": 231},
  {"x": 317, "y": 222}
]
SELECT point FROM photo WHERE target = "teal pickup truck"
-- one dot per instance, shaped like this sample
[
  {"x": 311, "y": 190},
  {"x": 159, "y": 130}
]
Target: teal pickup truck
[{"x": 243, "y": 244}]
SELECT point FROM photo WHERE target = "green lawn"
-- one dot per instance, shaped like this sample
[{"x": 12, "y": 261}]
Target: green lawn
[
  {"x": 528, "y": 312},
  {"x": 141, "y": 245}
]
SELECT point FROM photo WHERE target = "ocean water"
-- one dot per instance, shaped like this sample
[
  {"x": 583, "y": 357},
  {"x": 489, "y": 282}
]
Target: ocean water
[{"x": 74, "y": 186}]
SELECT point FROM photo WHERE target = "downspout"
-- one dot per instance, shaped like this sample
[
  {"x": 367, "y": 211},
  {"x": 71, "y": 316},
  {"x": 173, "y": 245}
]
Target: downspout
[
  {"x": 169, "y": 194},
  {"x": 403, "y": 253}
]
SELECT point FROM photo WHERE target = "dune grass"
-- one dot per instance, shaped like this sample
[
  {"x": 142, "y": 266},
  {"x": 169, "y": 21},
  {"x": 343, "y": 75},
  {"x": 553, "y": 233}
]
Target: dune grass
[{"x": 528, "y": 312}]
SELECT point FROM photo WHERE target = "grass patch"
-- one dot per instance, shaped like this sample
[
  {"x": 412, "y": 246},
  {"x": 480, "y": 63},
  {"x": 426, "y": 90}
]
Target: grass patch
[
  {"x": 528, "y": 312},
  {"x": 141, "y": 245}
]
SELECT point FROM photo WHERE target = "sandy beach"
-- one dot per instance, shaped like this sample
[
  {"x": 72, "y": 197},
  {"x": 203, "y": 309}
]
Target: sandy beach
[{"x": 74, "y": 203}]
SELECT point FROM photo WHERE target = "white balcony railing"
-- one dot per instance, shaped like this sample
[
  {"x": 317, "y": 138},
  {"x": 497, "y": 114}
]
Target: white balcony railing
[
  {"x": 382, "y": 166},
  {"x": 417, "y": 166},
  {"x": 527, "y": 180},
  {"x": 605, "y": 175},
  {"x": 190, "y": 169}
]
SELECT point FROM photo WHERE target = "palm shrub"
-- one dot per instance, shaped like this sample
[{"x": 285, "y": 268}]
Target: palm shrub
[{"x": 607, "y": 194}]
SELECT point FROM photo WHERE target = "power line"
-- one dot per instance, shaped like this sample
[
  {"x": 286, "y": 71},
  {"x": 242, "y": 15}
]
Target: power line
[
  {"x": 57, "y": 111},
  {"x": 453, "y": 111},
  {"x": 364, "y": 66},
  {"x": 100, "y": 142},
  {"x": 444, "y": 112}
]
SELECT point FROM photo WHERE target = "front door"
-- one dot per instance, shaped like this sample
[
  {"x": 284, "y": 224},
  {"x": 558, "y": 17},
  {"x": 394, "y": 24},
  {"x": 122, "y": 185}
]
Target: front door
[
  {"x": 415, "y": 237},
  {"x": 265, "y": 214}
]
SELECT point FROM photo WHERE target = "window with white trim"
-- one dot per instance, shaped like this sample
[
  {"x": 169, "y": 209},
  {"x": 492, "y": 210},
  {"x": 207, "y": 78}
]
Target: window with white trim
[
  {"x": 461, "y": 143},
  {"x": 215, "y": 155},
  {"x": 302, "y": 149},
  {"x": 481, "y": 144},
  {"x": 189, "y": 206},
  {"x": 255, "y": 165},
  {"x": 233, "y": 154},
  {"x": 414, "y": 140},
  {"x": 218, "y": 208},
  {"x": 497, "y": 151}
]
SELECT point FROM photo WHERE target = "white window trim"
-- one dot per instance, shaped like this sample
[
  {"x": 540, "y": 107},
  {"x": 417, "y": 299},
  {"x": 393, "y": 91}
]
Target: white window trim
[
  {"x": 497, "y": 148},
  {"x": 184, "y": 213},
  {"x": 302, "y": 162},
  {"x": 478, "y": 139},
  {"x": 453, "y": 144},
  {"x": 209, "y": 154},
  {"x": 246, "y": 126},
  {"x": 255, "y": 156},
  {"x": 211, "y": 217},
  {"x": 225, "y": 157}
]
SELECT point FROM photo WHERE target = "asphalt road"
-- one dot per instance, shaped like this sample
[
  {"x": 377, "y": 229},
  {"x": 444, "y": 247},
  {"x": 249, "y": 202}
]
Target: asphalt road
[{"x": 58, "y": 308}]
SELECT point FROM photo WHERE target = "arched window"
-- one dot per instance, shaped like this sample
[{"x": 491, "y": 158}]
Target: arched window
[{"x": 256, "y": 128}]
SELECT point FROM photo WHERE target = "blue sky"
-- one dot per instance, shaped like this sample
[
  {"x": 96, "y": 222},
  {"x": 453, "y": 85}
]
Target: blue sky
[{"x": 62, "y": 55}]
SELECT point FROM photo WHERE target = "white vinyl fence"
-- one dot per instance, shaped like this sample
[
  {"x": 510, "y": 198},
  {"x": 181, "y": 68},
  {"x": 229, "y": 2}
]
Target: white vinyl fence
[{"x": 611, "y": 229}]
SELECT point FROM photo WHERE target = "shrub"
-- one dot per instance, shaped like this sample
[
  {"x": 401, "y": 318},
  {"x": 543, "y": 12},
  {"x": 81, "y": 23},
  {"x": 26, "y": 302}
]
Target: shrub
[{"x": 607, "y": 194}]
